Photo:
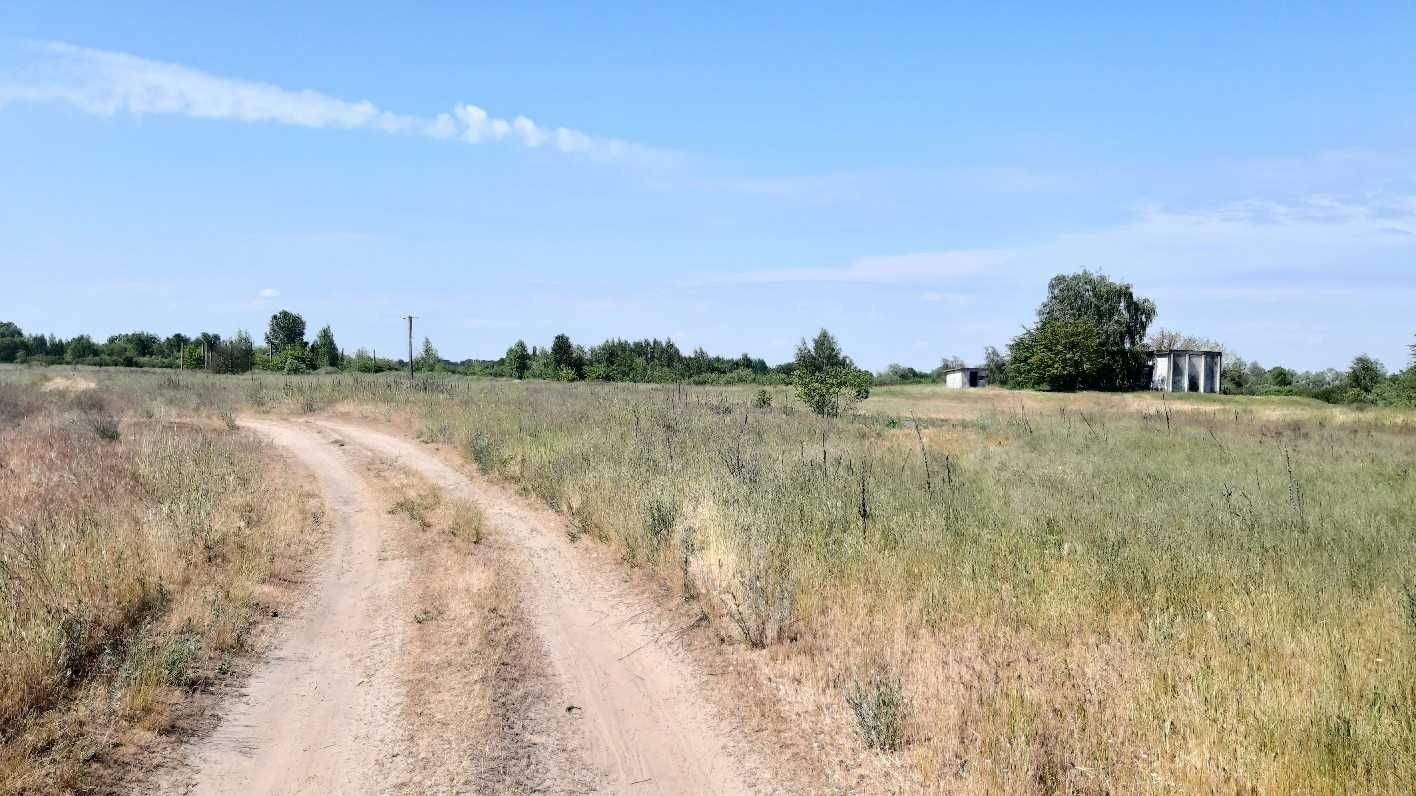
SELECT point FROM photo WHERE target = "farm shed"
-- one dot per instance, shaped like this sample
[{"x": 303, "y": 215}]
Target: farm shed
[
  {"x": 1186, "y": 371},
  {"x": 964, "y": 378}
]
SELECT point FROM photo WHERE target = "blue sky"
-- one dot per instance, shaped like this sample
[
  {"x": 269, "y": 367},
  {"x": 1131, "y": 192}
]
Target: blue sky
[{"x": 733, "y": 177}]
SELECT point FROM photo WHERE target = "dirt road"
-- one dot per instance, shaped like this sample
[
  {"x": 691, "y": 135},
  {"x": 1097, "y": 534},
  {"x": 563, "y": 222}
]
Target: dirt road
[
  {"x": 325, "y": 712},
  {"x": 320, "y": 714}
]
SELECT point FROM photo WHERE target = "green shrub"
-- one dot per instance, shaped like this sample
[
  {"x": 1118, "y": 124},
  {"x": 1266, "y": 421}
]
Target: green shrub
[
  {"x": 829, "y": 392},
  {"x": 879, "y": 707}
]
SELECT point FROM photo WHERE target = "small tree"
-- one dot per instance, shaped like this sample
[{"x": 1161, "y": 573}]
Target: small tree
[
  {"x": 947, "y": 364},
  {"x": 518, "y": 360},
  {"x": 1236, "y": 374},
  {"x": 325, "y": 352},
  {"x": 821, "y": 355},
  {"x": 234, "y": 355},
  {"x": 825, "y": 377},
  {"x": 429, "y": 359},
  {"x": 995, "y": 367}
]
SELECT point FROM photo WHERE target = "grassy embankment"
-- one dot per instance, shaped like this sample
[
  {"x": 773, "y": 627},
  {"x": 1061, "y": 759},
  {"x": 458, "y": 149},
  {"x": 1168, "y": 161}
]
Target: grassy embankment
[{"x": 136, "y": 530}]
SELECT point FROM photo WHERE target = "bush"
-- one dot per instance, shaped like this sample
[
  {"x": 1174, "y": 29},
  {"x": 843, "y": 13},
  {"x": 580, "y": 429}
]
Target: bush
[
  {"x": 483, "y": 451},
  {"x": 879, "y": 708},
  {"x": 762, "y": 400},
  {"x": 106, "y": 428},
  {"x": 830, "y": 391},
  {"x": 660, "y": 514}
]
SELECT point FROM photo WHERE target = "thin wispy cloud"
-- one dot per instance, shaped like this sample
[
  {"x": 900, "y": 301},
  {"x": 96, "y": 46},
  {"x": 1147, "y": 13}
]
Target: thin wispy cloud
[
  {"x": 1313, "y": 236},
  {"x": 105, "y": 83}
]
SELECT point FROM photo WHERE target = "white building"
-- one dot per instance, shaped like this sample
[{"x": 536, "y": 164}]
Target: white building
[
  {"x": 964, "y": 378},
  {"x": 1186, "y": 371}
]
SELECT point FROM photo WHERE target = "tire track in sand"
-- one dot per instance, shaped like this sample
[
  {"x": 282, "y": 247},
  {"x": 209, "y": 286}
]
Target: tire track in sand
[
  {"x": 648, "y": 727},
  {"x": 321, "y": 713}
]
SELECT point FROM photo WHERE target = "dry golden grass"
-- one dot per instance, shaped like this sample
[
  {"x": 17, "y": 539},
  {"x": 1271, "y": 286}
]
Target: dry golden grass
[
  {"x": 1091, "y": 595},
  {"x": 131, "y": 552},
  {"x": 1087, "y": 597}
]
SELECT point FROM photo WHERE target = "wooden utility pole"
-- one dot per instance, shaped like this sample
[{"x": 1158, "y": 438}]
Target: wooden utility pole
[{"x": 410, "y": 344}]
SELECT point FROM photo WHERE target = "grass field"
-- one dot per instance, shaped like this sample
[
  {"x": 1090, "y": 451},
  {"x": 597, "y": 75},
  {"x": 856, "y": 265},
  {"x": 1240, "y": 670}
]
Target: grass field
[
  {"x": 1026, "y": 592},
  {"x": 133, "y": 544}
]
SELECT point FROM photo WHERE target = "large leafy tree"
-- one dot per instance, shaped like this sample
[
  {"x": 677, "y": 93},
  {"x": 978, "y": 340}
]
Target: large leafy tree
[
  {"x": 1365, "y": 374},
  {"x": 174, "y": 344},
  {"x": 12, "y": 341},
  {"x": 1057, "y": 355},
  {"x": 324, "y": 350},
  {"x": 286, "y": 330},
  {"x": 80, "y": 348},
  {"x": 1090, "y": 334},
  {"x": 566, "y": 362},
  {"x": 137, "y": 344}
]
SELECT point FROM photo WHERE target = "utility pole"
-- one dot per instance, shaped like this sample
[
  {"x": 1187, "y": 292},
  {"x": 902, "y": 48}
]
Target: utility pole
[{"x": 410, "y": 344}]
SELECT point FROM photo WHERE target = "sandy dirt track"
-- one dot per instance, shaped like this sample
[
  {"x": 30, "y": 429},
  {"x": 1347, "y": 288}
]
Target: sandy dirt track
[
  {"x": 648, "y": 729},
  {"x": 320, "y": 714},
  {"x": 608, "y": 705}
]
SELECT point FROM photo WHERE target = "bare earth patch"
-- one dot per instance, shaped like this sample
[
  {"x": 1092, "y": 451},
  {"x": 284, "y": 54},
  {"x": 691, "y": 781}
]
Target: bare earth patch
[{"x": 67, "y": 384}]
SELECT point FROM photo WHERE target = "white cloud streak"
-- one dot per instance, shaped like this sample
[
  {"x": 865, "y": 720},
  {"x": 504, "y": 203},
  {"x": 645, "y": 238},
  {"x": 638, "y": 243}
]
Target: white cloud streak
[{"x": 106, "y": 83}]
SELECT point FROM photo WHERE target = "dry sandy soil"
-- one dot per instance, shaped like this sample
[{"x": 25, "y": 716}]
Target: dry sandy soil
[{"x": 420, "y": 663}]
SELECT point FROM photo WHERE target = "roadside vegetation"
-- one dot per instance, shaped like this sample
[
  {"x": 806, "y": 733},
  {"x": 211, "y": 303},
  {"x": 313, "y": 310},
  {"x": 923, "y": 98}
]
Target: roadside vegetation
[{"x": 136, "y": 531}]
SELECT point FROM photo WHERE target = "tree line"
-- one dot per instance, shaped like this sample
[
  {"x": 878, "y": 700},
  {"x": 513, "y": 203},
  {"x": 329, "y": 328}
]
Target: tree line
[
  {"x": 1090, "y": 333},
  {"x": 647, "y": 361},
  {"x": 285, "y": 349}
]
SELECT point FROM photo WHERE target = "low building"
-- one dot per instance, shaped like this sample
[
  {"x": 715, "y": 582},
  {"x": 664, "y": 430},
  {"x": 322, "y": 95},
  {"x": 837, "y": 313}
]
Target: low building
[
  {"x": 964, "y": 378},
  {"x": 1186, "y": 371}
]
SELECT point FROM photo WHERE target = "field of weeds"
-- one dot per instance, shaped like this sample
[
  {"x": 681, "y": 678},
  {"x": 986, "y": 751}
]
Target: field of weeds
[
  {"x": 1017, "y": 592},
  {"x": 1061, "y": 593},
  {"x": 135, "y": 533}
]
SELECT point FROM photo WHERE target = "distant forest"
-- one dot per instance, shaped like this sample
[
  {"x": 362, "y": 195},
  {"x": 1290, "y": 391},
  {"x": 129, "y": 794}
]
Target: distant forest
[{"x": 1090, "y": 334}]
